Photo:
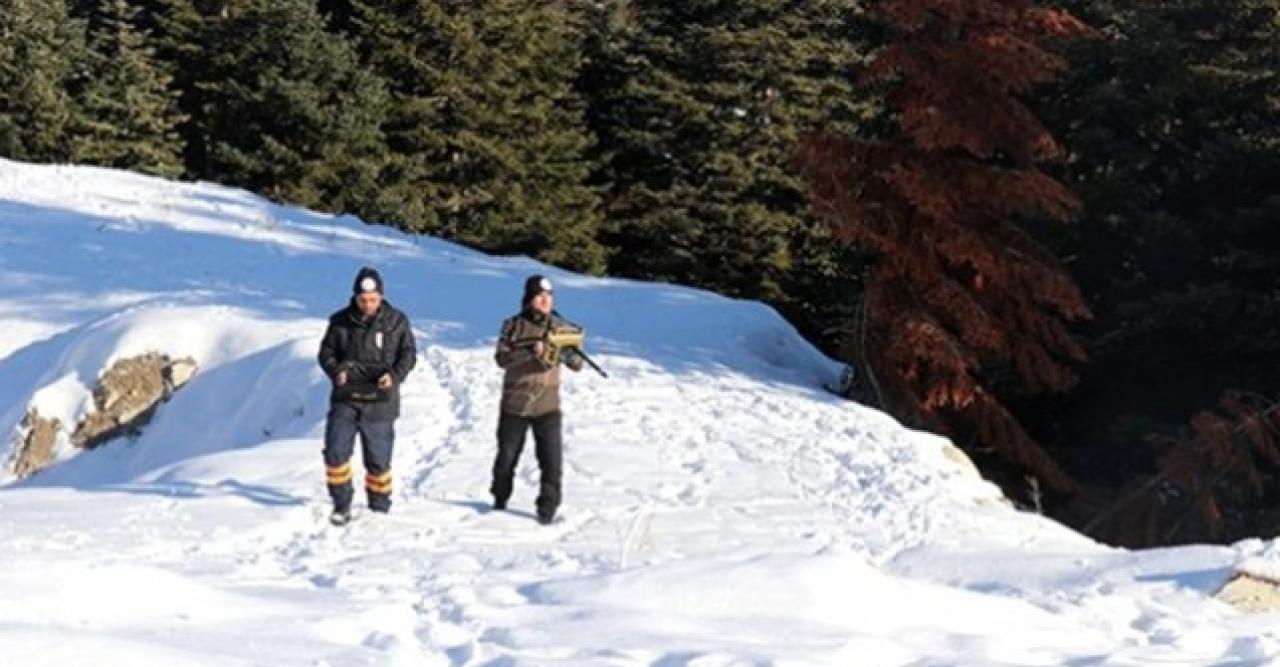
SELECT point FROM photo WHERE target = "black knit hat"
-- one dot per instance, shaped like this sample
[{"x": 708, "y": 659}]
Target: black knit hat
[
  {"x": 535, "y": 285},
  {"x": 367, "y": 280}
]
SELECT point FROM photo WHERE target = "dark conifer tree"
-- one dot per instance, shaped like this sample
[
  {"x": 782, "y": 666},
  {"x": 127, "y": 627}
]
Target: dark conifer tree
[
  {"x": 41, "y": 53},
  {"x": 126, "y": 113},
  {"x": 485, "y": 135}
]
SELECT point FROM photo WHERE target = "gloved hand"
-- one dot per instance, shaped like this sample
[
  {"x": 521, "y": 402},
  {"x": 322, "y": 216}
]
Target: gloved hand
[{"x": 572, "y": 359}]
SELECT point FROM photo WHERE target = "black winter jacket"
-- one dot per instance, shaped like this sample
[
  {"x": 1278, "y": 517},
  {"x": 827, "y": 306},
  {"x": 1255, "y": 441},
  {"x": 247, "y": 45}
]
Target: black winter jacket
[{"x": 367, "y": 348}]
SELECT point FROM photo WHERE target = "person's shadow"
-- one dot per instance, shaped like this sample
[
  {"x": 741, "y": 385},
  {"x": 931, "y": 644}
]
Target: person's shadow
[
  {"x": 482, "y": 507},
  {"x": 260, "y": 494}
]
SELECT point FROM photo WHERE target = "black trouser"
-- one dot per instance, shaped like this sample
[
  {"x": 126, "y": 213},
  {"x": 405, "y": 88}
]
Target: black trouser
[
  {"x": 377, "y": 438},
  {"x": 547, "y": 447}
]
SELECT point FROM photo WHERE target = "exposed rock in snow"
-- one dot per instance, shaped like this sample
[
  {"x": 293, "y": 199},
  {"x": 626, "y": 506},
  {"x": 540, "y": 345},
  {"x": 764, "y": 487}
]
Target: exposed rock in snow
[
  {"x": 721, "y": 508},
  {"x": 1251, "y": 594},
  {"x": 38, "y": 443},
  {"x": 127, "y": 395}
]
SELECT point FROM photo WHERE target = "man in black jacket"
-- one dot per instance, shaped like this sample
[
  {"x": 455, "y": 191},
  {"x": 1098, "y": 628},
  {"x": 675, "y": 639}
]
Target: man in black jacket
[{"x": 367, "y": 352}]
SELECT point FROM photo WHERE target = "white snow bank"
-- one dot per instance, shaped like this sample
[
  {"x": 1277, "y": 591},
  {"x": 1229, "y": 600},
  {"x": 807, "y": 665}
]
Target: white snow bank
[{"x": 720, "y": 508}]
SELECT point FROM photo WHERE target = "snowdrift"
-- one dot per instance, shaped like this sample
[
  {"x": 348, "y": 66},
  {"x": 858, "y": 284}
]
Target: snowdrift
[{"x": 720, "y": 508}]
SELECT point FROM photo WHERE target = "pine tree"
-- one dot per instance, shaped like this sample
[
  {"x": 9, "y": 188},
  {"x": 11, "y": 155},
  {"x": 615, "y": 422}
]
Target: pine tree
[
  {"x": 126, "y": 113},
  {"x": 1176, "y": 152},
  {"x": 41, "y": 50},
  {"x": 485, "y": 134},
  {"x": 961, "y": 301},
  {"x": 699, "y": 106},
  {"x": 176, "y": 28},
  {"x": 283, "y": 106},
  {"x": 339, "y": 14},
  {"x": 1175, "y": 138}
]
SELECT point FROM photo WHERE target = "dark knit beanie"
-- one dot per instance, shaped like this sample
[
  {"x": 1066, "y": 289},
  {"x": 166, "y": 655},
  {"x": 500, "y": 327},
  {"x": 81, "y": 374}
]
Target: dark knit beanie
[
  {"x": 367, "y": 280},
  {"x": 533, "y": 286}
]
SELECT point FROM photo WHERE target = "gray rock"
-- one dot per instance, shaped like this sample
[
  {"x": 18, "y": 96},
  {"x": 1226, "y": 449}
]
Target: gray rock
[
  {"x": 127, "y": 396},
  {"x": 37, "y": 448},
  {"x": 1251, "y": 593}
]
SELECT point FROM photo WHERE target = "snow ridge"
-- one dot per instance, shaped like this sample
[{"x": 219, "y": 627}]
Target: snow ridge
[{"x": 720, "y": 508}]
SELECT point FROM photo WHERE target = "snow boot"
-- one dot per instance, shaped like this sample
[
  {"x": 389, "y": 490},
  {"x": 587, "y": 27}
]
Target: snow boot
[{"x": 340, "y": 517}]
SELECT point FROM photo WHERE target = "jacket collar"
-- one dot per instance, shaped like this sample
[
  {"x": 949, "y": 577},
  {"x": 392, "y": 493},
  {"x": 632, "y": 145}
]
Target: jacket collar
[{"x": 535, "y": 316}]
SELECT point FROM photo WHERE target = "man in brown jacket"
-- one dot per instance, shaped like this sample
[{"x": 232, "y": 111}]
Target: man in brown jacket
[{"x": 531, "y": 397}]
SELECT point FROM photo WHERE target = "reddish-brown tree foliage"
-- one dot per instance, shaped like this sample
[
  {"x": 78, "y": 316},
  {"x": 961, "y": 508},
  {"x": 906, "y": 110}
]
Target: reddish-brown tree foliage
[
  {"x": 1217, "y": 463},
  {"x": 959, "y": 289}
]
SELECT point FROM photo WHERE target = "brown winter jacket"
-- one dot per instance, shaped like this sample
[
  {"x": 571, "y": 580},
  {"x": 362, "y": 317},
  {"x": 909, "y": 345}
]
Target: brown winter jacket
[{"x": 530, "y": 388}]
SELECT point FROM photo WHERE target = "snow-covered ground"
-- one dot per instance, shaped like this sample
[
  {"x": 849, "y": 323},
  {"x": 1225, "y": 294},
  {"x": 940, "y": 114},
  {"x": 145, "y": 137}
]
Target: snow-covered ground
[{"x": 721, "y": 509}]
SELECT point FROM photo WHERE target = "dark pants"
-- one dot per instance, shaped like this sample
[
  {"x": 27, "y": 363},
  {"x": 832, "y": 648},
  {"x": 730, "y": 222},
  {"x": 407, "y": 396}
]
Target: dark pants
[
  {"x": 547, "y": 447},
  {"x": 376, "y": 441}
]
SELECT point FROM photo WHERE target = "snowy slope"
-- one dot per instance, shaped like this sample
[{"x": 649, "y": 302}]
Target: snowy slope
[{"x": 719, "y": 509}]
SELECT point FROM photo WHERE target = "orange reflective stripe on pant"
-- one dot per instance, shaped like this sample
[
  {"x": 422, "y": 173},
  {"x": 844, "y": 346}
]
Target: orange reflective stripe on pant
[
  {"x": 337, "y": 475},
  {"x": 378, "y": 483}
]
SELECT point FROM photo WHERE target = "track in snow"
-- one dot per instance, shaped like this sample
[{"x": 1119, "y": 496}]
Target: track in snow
[{"x": 720, "y": 508}]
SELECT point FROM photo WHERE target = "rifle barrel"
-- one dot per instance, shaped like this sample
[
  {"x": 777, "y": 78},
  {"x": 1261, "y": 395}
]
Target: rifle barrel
[{"x": 591, "y": 362}]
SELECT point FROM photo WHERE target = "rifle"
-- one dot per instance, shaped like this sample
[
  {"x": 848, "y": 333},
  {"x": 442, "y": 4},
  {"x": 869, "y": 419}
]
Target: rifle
[{"x": 573, "y": 338}]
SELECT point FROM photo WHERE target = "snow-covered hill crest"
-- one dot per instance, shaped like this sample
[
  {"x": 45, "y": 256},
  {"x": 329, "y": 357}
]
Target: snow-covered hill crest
[{"x": 720, "y": 507}]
